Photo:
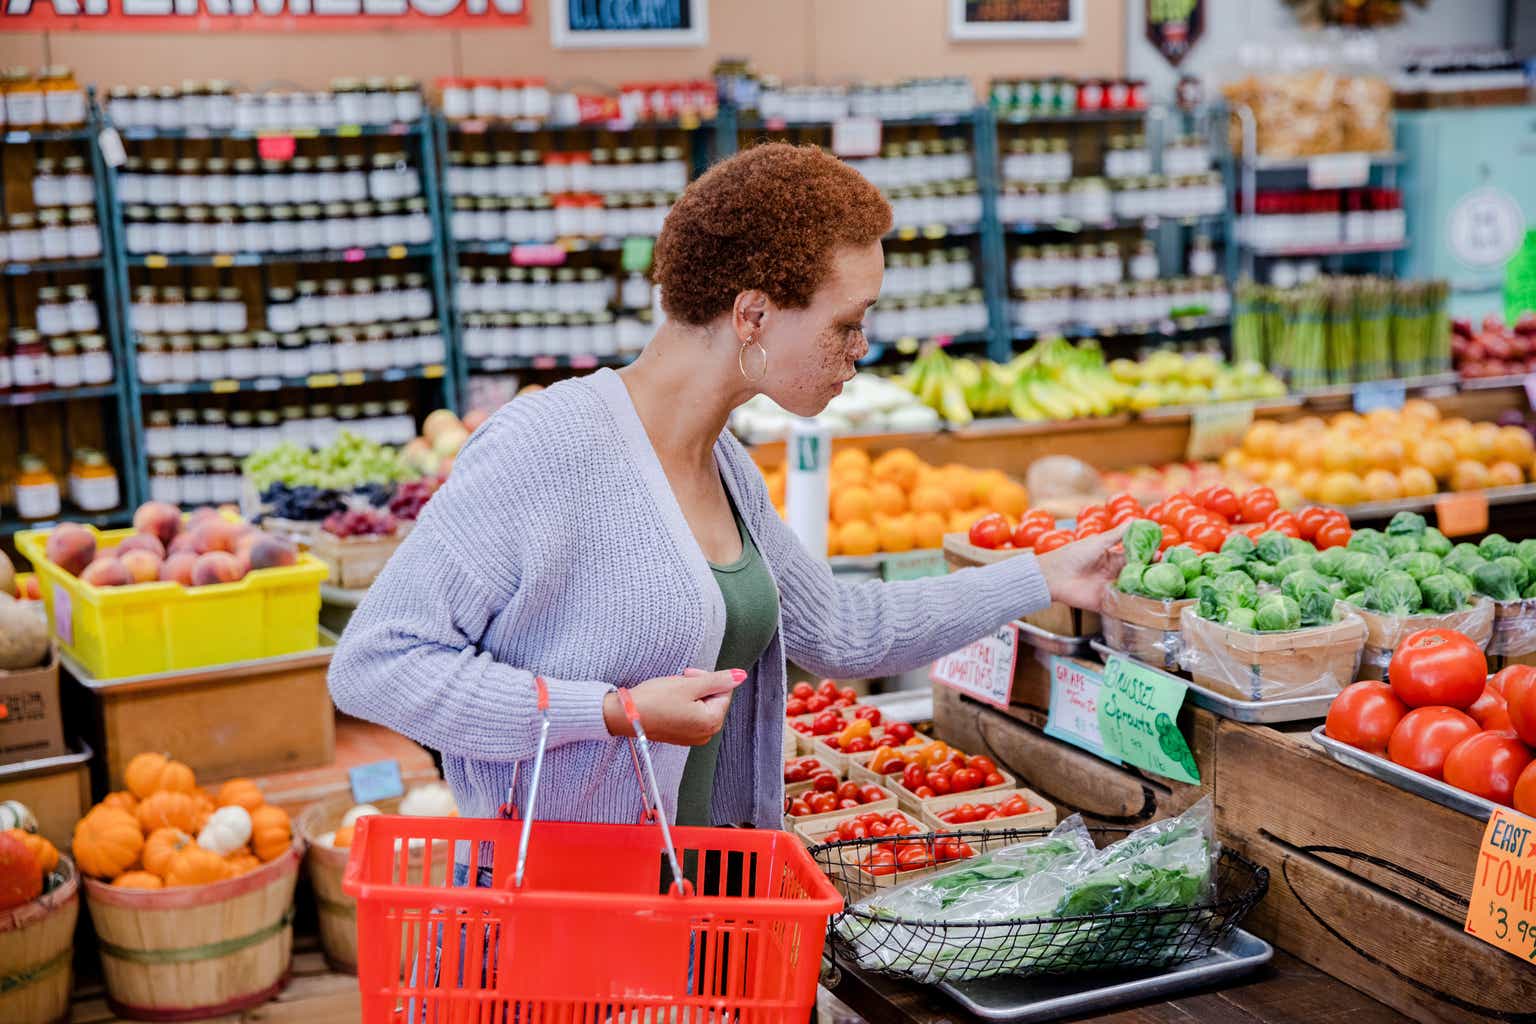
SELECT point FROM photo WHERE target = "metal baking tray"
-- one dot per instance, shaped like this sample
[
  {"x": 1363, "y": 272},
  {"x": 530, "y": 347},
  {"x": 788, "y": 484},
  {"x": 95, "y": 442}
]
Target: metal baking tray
[
  {"x": 1405, "y": 778},
  {"x": 1034, "y": 999},
  {"x": 1253, "y": 712},
  {"x": 1054, "y": 643}
]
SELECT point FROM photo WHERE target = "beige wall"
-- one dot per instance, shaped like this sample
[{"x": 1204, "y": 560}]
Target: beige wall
[{"x": 822, "y": 40}]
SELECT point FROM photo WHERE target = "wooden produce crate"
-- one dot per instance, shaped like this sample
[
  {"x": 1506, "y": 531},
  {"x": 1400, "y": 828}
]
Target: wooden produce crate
[
  {"x": 1368, "y": 882},
  {"x": 355, "y": 562},
  {"x": 810, "y": 820},
  {"x": 1384, "y": 632},
  {"x": 1272, "y": 666},
  {"x": 1145, "y": 629},
  {"x": 249, "y": 718},
  {"x": 1043, "y": 818},
  {"x": 1071, "y": 778},
  {"x": 57, "y": 790},
  {"x": 357, "y": 743},
  {"x": 1061, "y": 619}
]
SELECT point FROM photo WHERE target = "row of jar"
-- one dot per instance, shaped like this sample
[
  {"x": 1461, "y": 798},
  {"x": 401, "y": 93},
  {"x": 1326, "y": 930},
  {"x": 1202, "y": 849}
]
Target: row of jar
[
  {"x": 246, "y": 182},
  {"x": 918, "y": 162},
  {"x": 953, "y": 202},
  {"x": 185, "y": 359},
  {"x": 52, "y": 234},
  {"x": 1040, "y": 160},
  {"x": 51, "y": 98},
  {"x": 528, "y": 173},
  {"x": 31, "y": 362},
  {"x": 215, "y": 106},
  {"x": 530, "y": 99},
  {"x": 1091, "y": 266},
  {"x": 276, "y": 229},
  {"x": 930, "y": 316},
  {"x": 66, "y": 182},
  {"x": 1097, "y": 200},
  {"x": 92, "y": 485},
  {"x": 342, "y": 303},
  {"x": 67, "y": 310},
  {"x": 931, "y": 272},
  {"x": 570, "y": 216},
  {"x": 1356, "y": 217},
  {"x": 529, "y": 335},
  {"x": 210, "y": 430},
  {"x": 1122, "y": 305},
  {"x": 925, "y": 97},
  {"x": 543, "y": 290}
]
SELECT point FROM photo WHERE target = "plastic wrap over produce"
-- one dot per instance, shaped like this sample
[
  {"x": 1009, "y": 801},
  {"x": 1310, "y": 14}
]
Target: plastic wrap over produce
[
  {"x": 1253, "y": 666},
  {"x": 1046, "y": 905},
  {"x": 1514, "y": 629},
  {"x": 1145, "y": 628},
  {"x": 1384, "y": 632}
]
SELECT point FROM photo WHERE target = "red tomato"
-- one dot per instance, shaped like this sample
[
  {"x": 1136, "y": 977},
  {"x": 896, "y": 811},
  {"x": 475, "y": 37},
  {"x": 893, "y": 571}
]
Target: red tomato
[
  {"x": 965, "y": 780},
  {"x": 1093, "y": 512},
  {"x": 848, "y": 693},
  {"x": 910, "y": 858},
  {"x": 981, "y": 763},
  {"x": 871, "y": 794},
  {"x": 1171, "y": 538},
  {"x": 847, "y": 804},
  {"x": 939, "y": 783},
  {"x": 1282, "y": 516},
  {"x": 881, "y": 861},
  {"x": 963, "y": 813},
  {"x": 991, "y": 530},
  {"x": 827, "y": 722},
  {"x": 818, "y": 704},
  {"x": 1332, "y": 534},
  {"x": 1088, "y": 530},
  {"x": 795, "y": 773},
  {"x": 1364, "y": 715},
  {"x": 1525, "y": 791},
  {"x": 878, "y": 830},
  {"x": 1202, "y": 497},
  {"x": 1052, "y": 540},
  {"x": 1186, "y": 519},
  {"x": 1209, "y": 536},
  {"x": 923, "y": 792},
  {"x": 1491, "y": 711},
  {"x": 1439, "y": 666},
  {"x": 799, "y": 809},
  {"x": 1039, "y": 516},
  {"x": 1124, "y": 515},
  {"x": 805, "y": 691},
  {"x": 992, "y": 779},
  {"x": 900, "y": 731},
  {"x": 804, "y": 727},
  {"x": 1257, "y": 504},
  {"x": 795, "y": 706},
  {"x": 1425, "y": 736},
  {"x": 827, "y": 688},
  {"x": 1223, "y": 502},
  {"x": 1488, "y": 765},
  {"x": 913, "y": 775},
  {"x": 1520, "y": 695},
  {"x": 1122, "y": 500},
  {"x": 1158, "y": 513},
  {"x": 1013, "y": 806},
  {"x": 1178, "y": 501},
  {"x": 849, "y": 791},
  {"x": 824, "y": 782},
  {"x": 843, "y": 702},
  {"x": 1027, "y": 533},
  {"x": 865, "y": 711},
  {"x": 858, "y": 745},
  {"x": 1311, "y": 520},
  {"x": 821, "y": 803}
]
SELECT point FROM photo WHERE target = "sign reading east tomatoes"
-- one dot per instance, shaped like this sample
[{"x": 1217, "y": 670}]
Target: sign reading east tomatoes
[{"x": 257, "y": 15}]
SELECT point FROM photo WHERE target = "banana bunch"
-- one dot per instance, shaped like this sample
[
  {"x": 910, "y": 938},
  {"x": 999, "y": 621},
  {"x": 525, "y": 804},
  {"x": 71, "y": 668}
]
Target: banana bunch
[
  {"x": 939, "y": 382},
  {"x": 1053, "y": 380}
]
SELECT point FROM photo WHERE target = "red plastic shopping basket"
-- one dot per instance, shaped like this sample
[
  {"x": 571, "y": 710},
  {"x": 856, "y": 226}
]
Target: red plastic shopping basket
[{"x": 595, "y": 931}]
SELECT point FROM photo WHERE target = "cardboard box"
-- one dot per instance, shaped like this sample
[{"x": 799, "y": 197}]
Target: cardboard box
[{"x": 32, "y": 725}]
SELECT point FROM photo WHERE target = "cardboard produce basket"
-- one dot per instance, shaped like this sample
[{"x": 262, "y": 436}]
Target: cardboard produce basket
[
  {"x": 33, "y": 725},
  {"x": 1045, "y": 817},
  {"x": 1272, "y": 666},
  {"x": 810, "y": 820},
  {"x": 1384, "y": 632},
  {"x": 355, "y": 562},
  {"x": 1514, "y": 634},
  {"x": 1061, "y": 619},
  {"x": 1144, "y": 628}
]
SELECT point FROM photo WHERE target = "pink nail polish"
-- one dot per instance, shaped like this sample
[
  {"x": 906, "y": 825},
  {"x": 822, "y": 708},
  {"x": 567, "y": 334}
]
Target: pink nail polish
[{"x": 738, "y": 675}]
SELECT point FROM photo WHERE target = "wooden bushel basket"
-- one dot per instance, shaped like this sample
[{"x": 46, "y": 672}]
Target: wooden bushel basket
[
  {"x": 1514, "y": 634},
  {"x": 37, "y": 945},
  {"x": 1146, "y": 629},
  {"x": 324, "y": 865},
  {"x": 1061, "y": 619},
  {"x": 1272, "y": 666},
  {"x": 1384, "y": 632},
  {"x": 196, "y": 951}
]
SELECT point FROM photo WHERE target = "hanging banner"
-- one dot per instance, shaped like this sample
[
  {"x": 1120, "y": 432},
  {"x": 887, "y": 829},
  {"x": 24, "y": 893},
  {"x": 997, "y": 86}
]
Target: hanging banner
[
  {"x": 1174, "y": 27},
  {"x": 257, "y": 15}
]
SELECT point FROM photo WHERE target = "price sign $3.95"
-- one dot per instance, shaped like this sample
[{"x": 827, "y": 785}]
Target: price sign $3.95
[{"x": 1502, "y": 910}]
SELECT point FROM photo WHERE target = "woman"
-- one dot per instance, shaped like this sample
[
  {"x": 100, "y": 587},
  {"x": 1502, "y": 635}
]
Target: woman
[{"x": 610, "y": 532}]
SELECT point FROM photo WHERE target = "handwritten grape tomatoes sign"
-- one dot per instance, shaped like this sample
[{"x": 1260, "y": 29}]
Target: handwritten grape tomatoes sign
[
  {"x": 257, "y": 15},
  {"x": 984, "y": 669}
]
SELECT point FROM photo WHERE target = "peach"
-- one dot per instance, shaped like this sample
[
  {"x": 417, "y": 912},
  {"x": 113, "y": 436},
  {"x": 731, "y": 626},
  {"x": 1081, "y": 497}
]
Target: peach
[
  {"x": 29, "y": 589},
  {"x": 247, "y": 538},
  {"x": 215, "y": 567},
  {"x": 71, "y": 547},
  {"x": 183, "y": 542},
  {"x": 215, "y": 534},
  {"x": 474, "y": 418},
  {"x": 178, "y": 568},
  {"x": 201, "y": 514},
  {"x": 270, "y": 552},
  {"x": 106, "y": 571},
  {"x": 142, "y": 542},
  {"x": 159, "y": 518},
  {"x": 143, "y": 566}
]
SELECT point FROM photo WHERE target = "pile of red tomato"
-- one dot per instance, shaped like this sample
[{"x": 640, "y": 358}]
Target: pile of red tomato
[
  {"x": 1442, "y": 716},
  {"x": 937, "y": 770},
  {"x": 965, "y": 813},
  {"x": 827, "y": 793},
  {"x": 805, "y": 699},
  {"x": 913, "y": 855}
]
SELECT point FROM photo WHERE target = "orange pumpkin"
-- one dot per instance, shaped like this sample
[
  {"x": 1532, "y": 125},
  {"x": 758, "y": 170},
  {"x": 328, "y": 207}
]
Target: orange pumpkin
[
  {"x": 107, "y": 842},
  {"x": 152, "y": 773},
  {"x": 21, "y": 880},
  {"x": 240, "y": 793},
  {"x": 160, "y": 847},
  {"x": 243, "y": 861},
  {"x": 45, "y": 853},
  {"x": 138, "y": 880},
  {"x": 170, "y": 810},
  {"x": 122, "y": 800},
  {"x": 271, "y": 832},
  {"x": 193, "y": 865},
  {"x": 343, "y": 838}
]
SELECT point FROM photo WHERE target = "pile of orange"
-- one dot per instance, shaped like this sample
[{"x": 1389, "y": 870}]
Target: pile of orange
[
  {"x": 894, "y": 501},
  {"x": 1383, "y": 455}
]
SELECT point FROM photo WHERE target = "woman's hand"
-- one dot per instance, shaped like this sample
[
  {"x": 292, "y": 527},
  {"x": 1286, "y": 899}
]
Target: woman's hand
[
  {"x": 686, "y": 710},
  {"x": 1077, "y": 573}
]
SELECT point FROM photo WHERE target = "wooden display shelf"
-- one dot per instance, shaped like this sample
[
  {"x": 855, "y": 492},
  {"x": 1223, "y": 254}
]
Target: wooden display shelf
[
  {"x": 357, "y": 743},
  {"x": 1368, "y": 882}
]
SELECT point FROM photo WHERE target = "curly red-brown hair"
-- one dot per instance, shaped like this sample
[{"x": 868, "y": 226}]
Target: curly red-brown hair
[{"x": 769, "y": 218}]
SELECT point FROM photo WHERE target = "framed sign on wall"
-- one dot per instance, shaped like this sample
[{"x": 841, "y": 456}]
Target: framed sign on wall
[
  {"x": 1015, "y": 19},
  {"x": 609, "y": 24},
  {"x": 257, "y": 15}
]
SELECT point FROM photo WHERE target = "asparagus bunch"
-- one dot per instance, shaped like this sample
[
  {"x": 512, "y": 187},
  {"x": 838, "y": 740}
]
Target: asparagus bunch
[
  {"x": 1249, "y": 323},
  {"x": 1342, "y": 333},
  {"x": 1373, "y": 340},
  {"x": 1306, "y": 334}
]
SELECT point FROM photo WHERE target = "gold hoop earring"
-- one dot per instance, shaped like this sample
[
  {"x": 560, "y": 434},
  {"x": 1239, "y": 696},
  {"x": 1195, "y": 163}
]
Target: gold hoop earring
[{"x": 741, "y": 360}]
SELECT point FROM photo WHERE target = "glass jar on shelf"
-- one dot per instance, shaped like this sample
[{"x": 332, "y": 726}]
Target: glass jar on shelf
[
  {"x": 159, "y": 434},
  {"x": 93, "y": 485},
  {"x": 269, "y": 431},
  {"x": 193, "y": 474},
  {"x": 165, "y": 481},
  {"x": 95, "y": 359},
  {"x": 65, "y": 357},
  {"x": 320, "y": 349},
  {"x": 187, "y": 436},
  {"x": 31, "y": 362},
  {"x": 52, "y": 235},
  {"x": 36, "y": 490}
]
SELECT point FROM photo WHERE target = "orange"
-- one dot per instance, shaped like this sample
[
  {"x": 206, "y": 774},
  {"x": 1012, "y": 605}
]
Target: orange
[
  {"x": 1341, "y": 489},
  {"x": 1348, "y": 422},
  {"x": 851, "y": 503},
  {"x": 928, "y": 530},
  {"x": 1384, "y": 453},
  {"x": 1343, "y": 455},
  {"x": 958, "y": 480},
  {"x": 1505, "y": 474},
  {"x": 1513, "y": 444},
  {"x": 895, "y": 534},
  {"x": 1474, "y": 445},
  {"x": 1232, "y": 459},
  {"x": 1308, "y": 483},
  {"x": 1011, "y": 499},
  {"x": 1281, "y": 473},
  {"x": 1382, "y": 420},
  {"x": 982, "y": 483},
  {"x": 1468, "y": 475},
  {"x": 850, "y": 458},
  {"x": 899, "y": 466},
  {"x": 1260, "y": 439},
  {"x": 857, "y": 538},
  {"x": 1435, "y": 455},
  {"x": 1420, "y": 410},
  {"x": 1381, "y": 485},
  {"x": 889, "y": 499},
  {"x": 832, "y": 548},
  {"x": 929, "y": 498},
  {"x": 1416, "y": 482}
]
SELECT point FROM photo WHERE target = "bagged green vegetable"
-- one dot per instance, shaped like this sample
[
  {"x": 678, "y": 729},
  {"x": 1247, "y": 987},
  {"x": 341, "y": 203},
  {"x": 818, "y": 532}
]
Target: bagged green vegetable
[
  {"x": 1245, "y": 619},
  {"x": 1526, "y": 552},
  {"x": 1464, "y": 558},
  {"x": 1276, "y": 613},
  {"x": 1272, "y": 547},
  {"x": 1294, "y": 564},
  {"x": 1361, "y": 568},
  {"x": 1129, "y": 580},
  {"x": 1494, "y": 579},
  {"x": 1301, "y": 581},
  {"x": 1237, "y": 544},
  {"x": 1162, "y": 581},
  {"x": 1316, "y": 608},
  {"x": 1220, "y": 564},
  {"x": 1331, "y": 562},
  {"x": 1516, "y": 569},
  {"x": 1400, "y": 545},
  {"x": 1394, "y": 593},
  {"x": 1443, "y": 594},
  {"x": 1237, "y": 588}
]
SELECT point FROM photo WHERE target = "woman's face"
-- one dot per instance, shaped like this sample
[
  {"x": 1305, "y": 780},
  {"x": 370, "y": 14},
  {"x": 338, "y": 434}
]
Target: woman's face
[{"x": 812, "y": 352}]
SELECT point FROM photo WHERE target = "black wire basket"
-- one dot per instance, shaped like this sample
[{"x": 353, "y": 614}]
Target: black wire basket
[{"x": 930, "y": 952}]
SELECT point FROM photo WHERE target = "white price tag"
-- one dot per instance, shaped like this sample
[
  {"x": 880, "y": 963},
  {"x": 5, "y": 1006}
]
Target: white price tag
[
  {"x": 984, "y": 669},
  {"x": 1339, "y": 170},
  {"x": 856, "y": 136},
  {"x": 1216, "y": 428},
  {"x": 1074, "y": 711}
]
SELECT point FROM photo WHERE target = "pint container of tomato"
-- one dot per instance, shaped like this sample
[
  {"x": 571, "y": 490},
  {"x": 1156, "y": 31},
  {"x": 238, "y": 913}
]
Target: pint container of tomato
[
  {"x": 939, "y": 770},
  {"x": 1005, "y": 808},
  {"x": 825, "y": 797},
  {"x": 913, "y": 849},
  {"x": 861, "y": 740},
  {"x": 995, "y": 537}
]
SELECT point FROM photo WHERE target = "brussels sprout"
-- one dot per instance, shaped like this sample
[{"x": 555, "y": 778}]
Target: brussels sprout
[
  {"x": 1464, "y": 558},
  {"x": 1297, "y": 583},
  {"x": 1395, "y": 593},
  {"x": 1220, "y": 565},
  {"x": 1197, "y": 587},
  {"x": 1357, "y": 599},
  {"x": 1339, "y": 589},
  {"x": 1301, "y": 547},
  {"x": 1407, "y": 524},
  {"x": 1461, "y": 579},
  {"x": 1526, "y": 552},
  {"x": 1238, "y": 544},
  {"x": 1373, "y": 541},
  {"x": 1263, "y": 572},
  {"x": 1529, "y": 591},
  {"x": 1236, "y": 588},
  {"x": 1179, "y": 554},
  {"x": 1142, "y": 540},
  {"x": 1494, "y": 580},
  {"x": 1443, "y": 594},
  {"x": 1277, "y": 613},
  {"x": 1294, "y": 564},
  {"x": 1273, "y": 546},
  {"x": 1435, "y": 542},
  {"x": 1241, "y": 618},
  {"x": 1129, "y": 580},
  {"x": 1495, "y": 545},
  {"x": 1401, "y": 545},
  {"x": 1516, "y": 568},
  {"x": 1162, "y": 581},
  {"x": 1417, "y": 564},
  {"x": 1360, "y": 569},
  {"x": 1316, "y": 608},
  {"x": 1210, "y": 606},
  {"x": 1331, "y": 561}
]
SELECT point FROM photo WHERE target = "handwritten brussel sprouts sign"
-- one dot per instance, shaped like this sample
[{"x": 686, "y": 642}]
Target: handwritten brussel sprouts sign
[{"x": 1138, "y": 720}]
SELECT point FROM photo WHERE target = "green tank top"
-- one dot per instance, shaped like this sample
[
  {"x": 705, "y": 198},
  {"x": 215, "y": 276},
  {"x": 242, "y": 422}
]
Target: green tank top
[{"x": 751, "y": 616}]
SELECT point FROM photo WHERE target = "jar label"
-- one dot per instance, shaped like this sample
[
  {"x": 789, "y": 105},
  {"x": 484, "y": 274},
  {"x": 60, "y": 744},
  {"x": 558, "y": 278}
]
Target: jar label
[
  {"x": 36, "y": 501},
  {"x": 94, "y": 493}
]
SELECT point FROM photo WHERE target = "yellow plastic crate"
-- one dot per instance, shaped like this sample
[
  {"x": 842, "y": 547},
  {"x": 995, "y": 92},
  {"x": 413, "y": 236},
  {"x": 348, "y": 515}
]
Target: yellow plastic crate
[{"x": 161, "y": 627}]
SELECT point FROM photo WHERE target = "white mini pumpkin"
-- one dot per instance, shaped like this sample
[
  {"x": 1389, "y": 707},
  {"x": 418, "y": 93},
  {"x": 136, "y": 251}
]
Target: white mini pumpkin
[
  {"x": 358, "y": 811},
  {"x": 15, "y": 814},
  {"x": 228, "y": 829},
  {"x": 432, "y": 800}
]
